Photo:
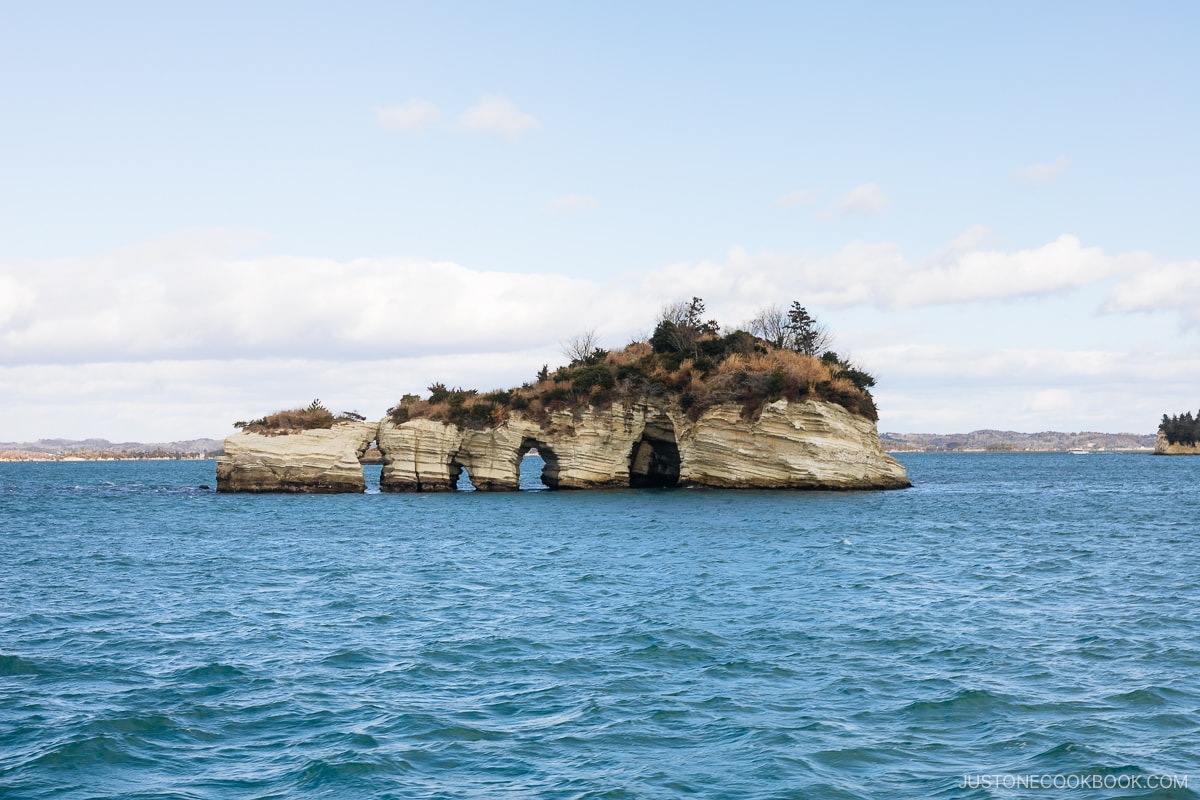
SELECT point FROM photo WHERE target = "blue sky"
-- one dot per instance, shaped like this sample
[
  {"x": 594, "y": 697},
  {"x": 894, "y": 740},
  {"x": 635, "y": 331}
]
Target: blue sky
[{"x": 212, "y": 210}]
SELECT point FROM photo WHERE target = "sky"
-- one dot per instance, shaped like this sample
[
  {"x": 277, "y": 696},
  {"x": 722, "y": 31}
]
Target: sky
[{"x": 210, "y": 211}]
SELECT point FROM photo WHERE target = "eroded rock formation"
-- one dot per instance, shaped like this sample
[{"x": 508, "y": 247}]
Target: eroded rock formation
[
  {"x": 810, "y": 444},
  {"x": 588, "y": 449},
  {"x": 1163, "y": 447},
  {"x": 790, "y": 445},
  {"x": 321, "y": 460}
]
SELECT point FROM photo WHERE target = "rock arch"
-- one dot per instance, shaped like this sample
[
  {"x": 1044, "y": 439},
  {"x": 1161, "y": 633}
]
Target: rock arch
[
  {"x": 809, "y": 445},
  {"x": 457, "y": 472},
  {"x": 549, "y": 458},
  {"x": 654, "y": 460}
]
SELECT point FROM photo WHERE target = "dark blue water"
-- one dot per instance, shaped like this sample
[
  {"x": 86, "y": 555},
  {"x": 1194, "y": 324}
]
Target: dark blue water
[{"x": 1010, "y": 615}]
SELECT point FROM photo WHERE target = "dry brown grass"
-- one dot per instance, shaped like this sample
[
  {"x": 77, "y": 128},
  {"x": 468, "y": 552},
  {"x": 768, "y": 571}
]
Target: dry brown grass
[
  {"x": 802, "y": 368},
  {"x": 722, "y": 370},
  {"x": 632, "y": 352},
  {"x": 472, "y": 411},
  {"x": 292, "y": 420}
]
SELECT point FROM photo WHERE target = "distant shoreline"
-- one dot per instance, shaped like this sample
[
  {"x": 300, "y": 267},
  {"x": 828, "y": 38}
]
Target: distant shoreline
[
  {"x": 980, "y": 441},
  {"x": 46, "y": 458},
  {"x": 35, "y": 459},
  {"x": 975, "y": 452},
  {"x": 997, "y": 441},
  {"x": 47, "y": 450}
]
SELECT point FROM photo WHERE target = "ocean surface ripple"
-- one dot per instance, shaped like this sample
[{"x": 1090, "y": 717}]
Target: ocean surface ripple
[{"x": 1010, "y": 615}]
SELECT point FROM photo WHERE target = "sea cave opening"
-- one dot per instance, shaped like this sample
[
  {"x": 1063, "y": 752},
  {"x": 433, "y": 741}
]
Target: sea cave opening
[
  {"x": 537, "y": 467},
  {"x": 654, "y": 461},
  {"x": 372, "y": 466},
  {"x": 460, "y": 479}
]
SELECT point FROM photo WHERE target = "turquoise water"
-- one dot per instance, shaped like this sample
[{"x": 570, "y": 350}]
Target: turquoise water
[{"x": 1009, "y": 615}]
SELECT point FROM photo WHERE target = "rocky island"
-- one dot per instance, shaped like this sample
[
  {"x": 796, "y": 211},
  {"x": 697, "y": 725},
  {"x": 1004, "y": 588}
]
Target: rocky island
[
  {"x": 1178, "y": 435},
  {"x": 691, "y": 406}
]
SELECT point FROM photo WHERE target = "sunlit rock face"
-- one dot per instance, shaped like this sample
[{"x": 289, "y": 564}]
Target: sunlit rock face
[
  {"x": 320, "y": 461},
  {"x": 586, "y": 450},
  {"x": 1162, "y": 447},
  {"x": 787, "y": 446},
  {"x": 418, "y": 456},
  {"x": 804, "y": 445}
]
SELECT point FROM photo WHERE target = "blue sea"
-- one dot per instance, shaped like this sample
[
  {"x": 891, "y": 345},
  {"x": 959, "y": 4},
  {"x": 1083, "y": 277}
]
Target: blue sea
[{"x": 1010, "y": 619}]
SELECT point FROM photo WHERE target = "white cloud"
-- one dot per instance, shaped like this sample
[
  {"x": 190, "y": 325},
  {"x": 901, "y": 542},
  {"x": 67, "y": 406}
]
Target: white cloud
[
  {"x": 970, "y": 239},
  {"x": 1051, "y": 400},
  {"x": 945, "y": 388},
  {"x": 1041, "y": 174},
  {"x": 922, "y": 388},
  {"x": 1022, "y": 368},
  {"x": 170, "y": 399},
  {"x": 1174, "y": 286},
  {"x": 410, "y": 116},
  {"x": 182, "y": 328},
  {"x": 996, "y": 406},
  {"x": 497, "y": 116},
  {"x": 866, "y": 200},
  {"x": 16, "y": 300},
  {"x": 982, "y": 275},
  {"x": 572, "y": 203},
  {"x": 795, "y": 199},
  {"x": 881, "y": 275},
  {"x": 127, "y": 306}
]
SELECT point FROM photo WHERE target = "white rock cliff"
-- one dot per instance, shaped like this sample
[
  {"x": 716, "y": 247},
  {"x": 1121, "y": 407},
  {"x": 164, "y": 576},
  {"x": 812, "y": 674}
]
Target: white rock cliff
[
  {"x": 799, "y": 445},
  {"x": 790, "y": 446},
  {"x": 322, "y": 460}
]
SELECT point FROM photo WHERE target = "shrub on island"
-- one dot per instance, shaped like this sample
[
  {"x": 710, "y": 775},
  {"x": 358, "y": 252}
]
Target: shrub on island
[
  {"x": 315, "y": 416},
  {"x": 686, "y": 357}
]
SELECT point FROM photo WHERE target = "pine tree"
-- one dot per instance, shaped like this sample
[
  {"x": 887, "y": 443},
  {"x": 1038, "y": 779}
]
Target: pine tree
[{"x": 803, "y": 331}]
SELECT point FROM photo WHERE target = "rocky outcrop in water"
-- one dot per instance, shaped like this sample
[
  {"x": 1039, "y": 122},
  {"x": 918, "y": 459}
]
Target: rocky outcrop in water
[
  {"x": 804, "y": 445},
  {"x": 1164, "y": 447},
  {"x": 690, "y": 405},
  {"x": 324, "y": 460},
  {"x": 587, "y": 449}
]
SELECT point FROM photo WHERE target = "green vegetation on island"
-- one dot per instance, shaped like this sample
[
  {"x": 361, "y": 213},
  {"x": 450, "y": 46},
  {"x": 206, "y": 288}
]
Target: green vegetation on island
[
  {"x": 312, "y": 417},
  {"x": 784, "y": 354},
  {"x": 1181, "y": 429}
]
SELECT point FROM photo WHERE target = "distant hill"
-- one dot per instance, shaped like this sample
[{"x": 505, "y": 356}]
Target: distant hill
[
  {"x": 975, "y": 441},
  {"x": 95, "y": 449},
  {"x": 1014, "y": 441}
]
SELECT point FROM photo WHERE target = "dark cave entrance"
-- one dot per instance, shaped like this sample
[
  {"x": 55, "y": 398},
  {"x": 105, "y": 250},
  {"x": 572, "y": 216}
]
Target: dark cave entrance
[
  {"x": 530, "y": 477},
  {"x": 654, "y": 461}
]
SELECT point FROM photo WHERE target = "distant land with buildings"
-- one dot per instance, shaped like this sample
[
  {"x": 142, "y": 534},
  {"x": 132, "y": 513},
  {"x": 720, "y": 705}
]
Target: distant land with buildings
[
  {"x": 984, "y": 441},
  {"x": 993, "y": 441},
  {"x": 104, "y": 450}
]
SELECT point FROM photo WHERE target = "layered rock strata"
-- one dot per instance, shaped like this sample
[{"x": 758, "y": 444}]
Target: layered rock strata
[
  {"x": 589, "y": 449},
  {"x": 322, "y": 460},
  {"x": 804, "y": 445},
  {"x": 808, "y": 445},
  {"x": 1162, "y": 447},
  {"x": 789, "y": 446}
]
